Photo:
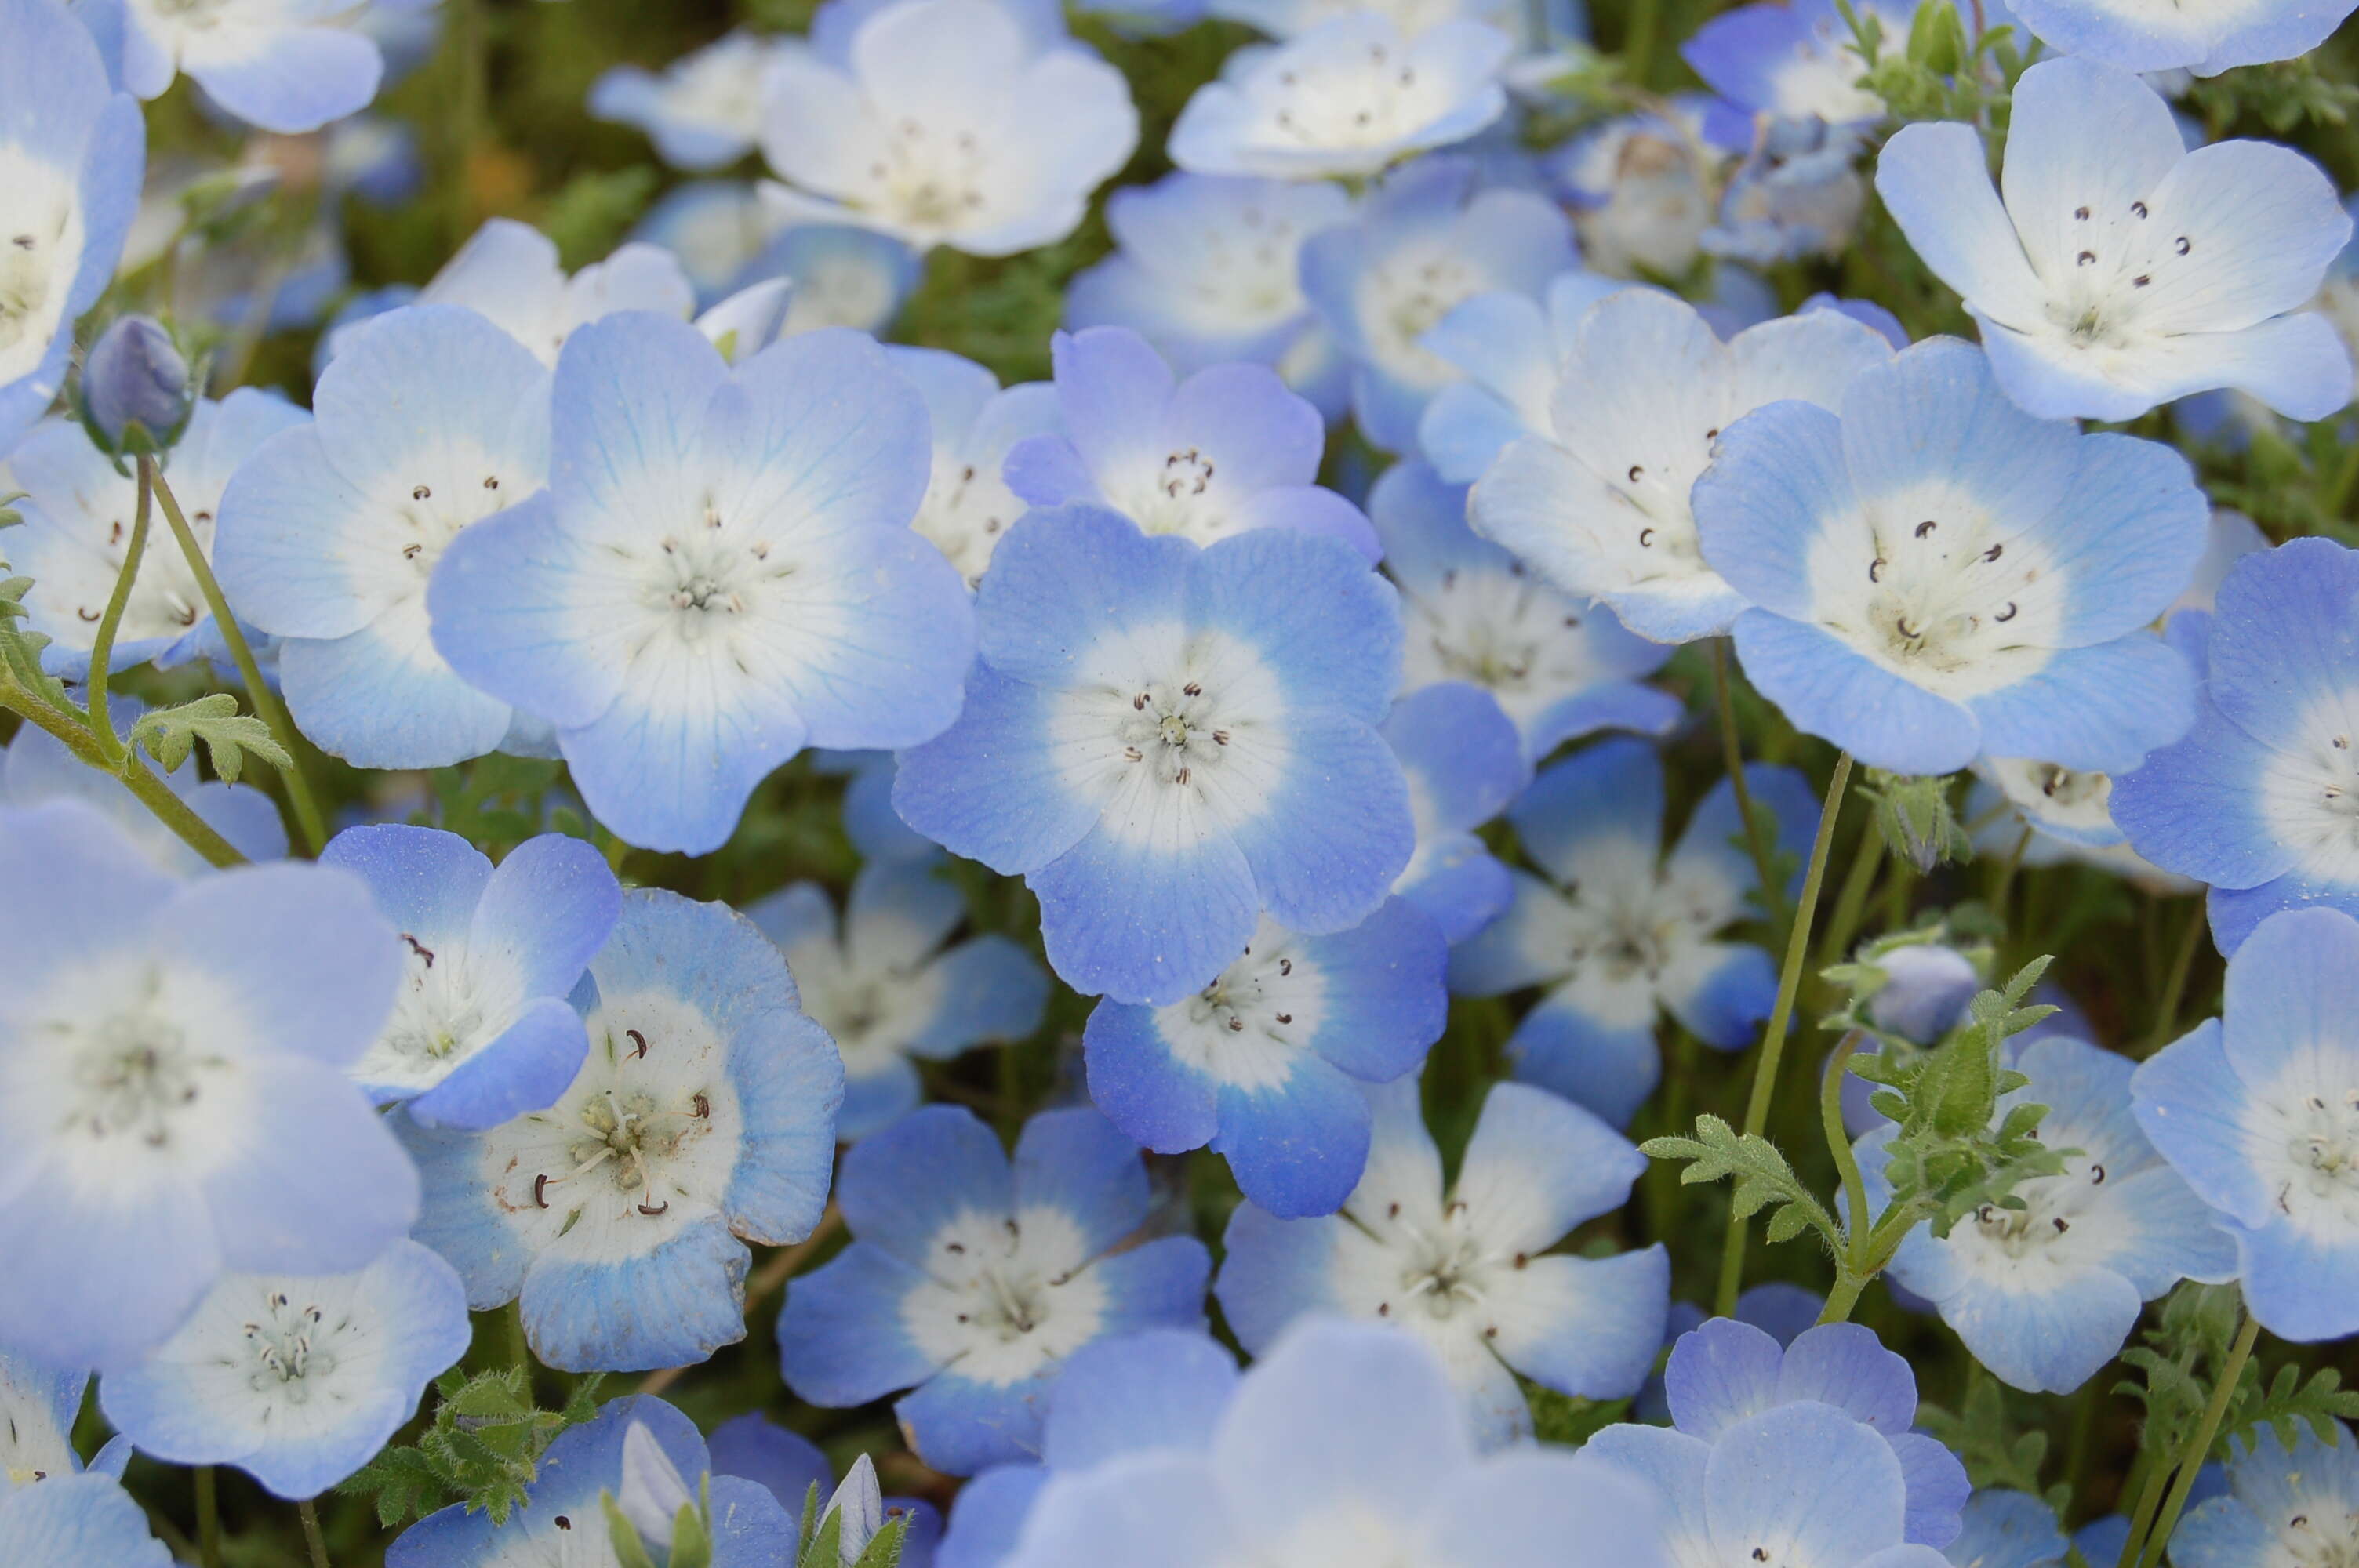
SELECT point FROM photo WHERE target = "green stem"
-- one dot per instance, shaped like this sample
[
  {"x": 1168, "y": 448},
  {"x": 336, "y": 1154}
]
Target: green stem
[
  {"x": 257, "y": 690},
  {"x": 2191, "y": 1459},
  {"x": 1732, "y": 754},
  {"x": 1849, "y": 1280},
  {"x": 209, "y": 1551},
  {"x": 2338, "y": 489},
  {"x": 1638, "y": 43},
  {"x": 1773, "y": 1043},
  {"x": 150, "y": 791},
  {"x": 312, "y": 1536},
  {"x": 2174, "y": 985},
  {"x": 2149, "y": 1497},
  {"x": 2012, "y": 864},
  {"x": 102, "y": 652},
  {"x": 1851, "y": 902}
]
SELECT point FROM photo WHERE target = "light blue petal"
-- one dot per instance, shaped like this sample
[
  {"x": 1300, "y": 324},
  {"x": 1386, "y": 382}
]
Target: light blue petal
[
  {"x": 384, "y": 697},
  {"x": 1828, "y": 690},
  {"x": 671, "y": 1307},
  {"x": 1721, "y": 1373},
  {"x": 960, "y": 1425},
  {"x": 1607, "y": 1067},
  {"x": 548, "y": 910},
  {"x": 527, "y": 1067},
  {"x": 785, "y": 1463},
  {"x": 1161, "y": 1387},
  {"x": 1078, "y": 1163},
  {"x": 77, "y": 1521},
  {"x": 2101, "y": 707},
  {"x": 1141, "y": 1085},
  {"x": 2047, "y": 1340},
  {"x": 1150, "y": 921},
  {"x": 876, "y": 1100},
  {"x": 1538, "y": 1166},
  {"x": 1297, "y": 1147},
  {"x": 1274, "y": 1271},
  {"x": 1605, "y": 792},
  {"x": 992, "y": 992},
  {"x": 840, "y": 1342},
  {"x": 2192, "y": 1104},
  {"x": 1512, "y": 952},
  {"x": 992, "y": 787},
  {"x": 1059, "y": 580},
  {"x": 1258, "y": 587},
  {"x": 425, "y": 881},
  {"x": 2195, "y": 806},
  {"x": 2281, "y": 637},
  {"x": 1586, "y": 1326},
  {"x": 1777, "y": 479},
  {"x": 1807, "y": 1484},
  {"x": 322, "y": 1187},
  {"x": 903, "y": 1186},
  {"x": 987, "y": 1516},
  {"x": 1460, "y": 749},
  {"x": 297, "y": 81},
  {"x": 1724, "y": 996}
]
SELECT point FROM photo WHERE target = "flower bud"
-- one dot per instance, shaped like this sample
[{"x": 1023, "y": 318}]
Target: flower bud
[
  {"x": 136, "y": 388},
  {"x": 1925, "y": 991}
]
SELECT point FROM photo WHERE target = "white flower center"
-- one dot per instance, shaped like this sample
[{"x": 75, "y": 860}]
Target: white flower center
[
  {"x": 2053, "y": 1205},
  {"x": 966, "y": 508},
  {"x": 138, "y": 1078},
  {"x": 2102, "y": 291},
  {"x": 40, "y": 246},
  {"x": 1005, "y": 1296},
  {"x": 928, "y": 176},
  {"x": 2316, "y": 1132},
  {"x": 431, "y": 514},
  {"x": 2318, "y": 1533},
  {"x": 871, "y": 1011},
  {"x": 708, "y": 581},
  {"x": 2310, "y": 794},
  {"x": 291, "y": 1345},
  {"x": 1498, "y": 629},
  {"x": 1369, "y": 97},
  {"x": 450, "y": 1005},
  {"x": 1248, "y": 1028},
  {"x": 1401, "y": 300}
]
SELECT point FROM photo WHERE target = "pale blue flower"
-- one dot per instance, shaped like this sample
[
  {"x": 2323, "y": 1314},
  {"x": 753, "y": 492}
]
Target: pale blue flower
[
  {"x": 789, "y": 1464},
  {"x": 728, "y": 244},
  {"x": 2258, "y": 1110},
  {"x": 1464, "y": 761},
  {"x": 704, "y": 110},
  {"x": 38, "y": 1406},
  {"x": 77, "y": 1521},
  {"x": 703, "y": 1118},
  {"x": 753, "y": 526},
  {"x": 284, "y": 65},
  {"x": 2124, "y": 270},
  {"x": 1793, "y": 63},
  {"x": 717, "y": 229},
  {"x": 888, "y": 986},
  {"x": 1467, "y": 1267},
  {"x": 1293, "y": 18},
  {"x": 1640, "y": 187},
  {"x": 1508, "y": 346},
  {"x": 296, "y": 1379},
  {"x": 2296, "y": 1505},
  {"x": 1599, "y": 505},
  {"x": 36, "y": 767},
  {"x": 1616, "y": 933},
  {"x": 976, "y": 424},
  {"x": 1165, "y": 745},
  {"x": 876, "y": 829},
  {"x": 172, "y": 1099},
  {"x": 1937, "y": 575},
  {"x": 1795, "y": 196},
  {"x": 2008, "y": 1529},
  {"x": 970, "y": 1281},
  {"x": 2208, "y": 41}
]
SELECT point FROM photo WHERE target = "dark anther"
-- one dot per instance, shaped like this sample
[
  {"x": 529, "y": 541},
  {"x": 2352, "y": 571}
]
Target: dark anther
[
  {"x": 1926, "y": 527},
  {"x": 958, "y": 1246},
  {"x": 2082, "y": 213},
  {"x": 1180, "y": 777},
  {"x": 2140, "y": 281},
  {"x": 2096, "y": 1176},
  {"x": 2086, "y": 257},
  {"x": 1286, "y": 1018},
  {"x": 2139, "y": 207},
  {"x": 1645, "y": 538},
  {"x": 1876, "y": 570},
  {"x": 540, "y": 1190},
  {"x": 490, "y": 482},
  {"x": 2062, "y": 1224},
  {"x": 419, "y": 948},
  {"x": 1220, "y": 737},
  {"x": 409, "y": 552},
  {"x": 1192, "y": 689},
  {"x": 561, "y": 1522},
  {"x": 1286, "y": 966},
  {"x": 1522, "y": 1258},
  {"x": 2007, "y": 614},
  {"x": 1712, "y": 434},
  {"x": 1393, "y": 1213},
  {"x": 420, "y": 493},
  {"x": 703, "y": 1111},
  {"x": 1236, "y": 1024},
  {"x": 2181, "y": 245},
  {"x": 1384, "y": 1309},
  {"x": 1993, "y": 552},
  {"x": 638, "y": 1041},
  {"x": 659, "y": 1209},
  {"x": 87, "y": 614},
  {"x": 1637, "y": 472},
  {"x": 1138, "y": 703}
]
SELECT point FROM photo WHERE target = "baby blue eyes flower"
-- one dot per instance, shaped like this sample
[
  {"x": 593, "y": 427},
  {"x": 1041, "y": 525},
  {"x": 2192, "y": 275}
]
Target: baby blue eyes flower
[
  {"x": 976, "y": 424},
  {"x": 1793, "y": 62},
  {"x": 1804, "y": 1453},
  {"x": 1467, "y": 1267},
  {"x": 1639, "y": 186},
  {"x": 284, "y": 65},
  {"x": 1346, "y": 1443},
  {"x": 2259, "y": 1111},
  {"x": 704, "y": 111},
  {"x": 1617, "y": 932},
  {"x": 789, "y": 1464},
  {"x": 39, "y": 1405},
  {"x": 1560, "y": 668},
  {"x": 944, "y": 123},
  {"x": 2297, "y": 1504},
  {"x": 2006, "y": 1529},
  {"x": 969, "y": 1281},
  {"x": 172, "y": 1097},
  {"x": 1508, "y": 346},
  {"x": 1227, "y": 450},
  {"x": 295, "y": 1379},
  {"x": 2165, "y": 38},
  {"x": 1600, "y": 505},
  {"x": 2124, "y": 270},
  {"x": 887, "y": 988},
  {"x": 1937, "y": 574},
  {"x": 78, "y": 513},
  {"x": 1261, "y": 1063},
  {"x": 1464, "y": 762},
  {"x": 562, "y": 1521},
  {"x": 702, "y": 1118},
  {"x": 71, "y": 153},
  {"x": 330, "y": 531},
  {"x": 721, "y": 573},
  {"x": 2256, "y": 799},
  {"x": 2045, "y": 1296},
  {"x": 482, "y": 1031},
  {"x": 77, "y": 1521},
  {"x": 1168, "y": 741},
  {"x": 1350, "y": 95}
]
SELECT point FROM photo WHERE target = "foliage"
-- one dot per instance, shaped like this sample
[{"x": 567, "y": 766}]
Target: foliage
[
  {"x": 1990, "y": 1439},
  {"x": 168, "y": 734},
  {"x": 481, "y": 1449},
  {"x": 1763, "y": 1178}
]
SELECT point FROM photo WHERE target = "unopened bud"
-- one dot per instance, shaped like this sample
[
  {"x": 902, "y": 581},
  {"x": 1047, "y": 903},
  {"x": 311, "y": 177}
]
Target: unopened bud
[{"x": 136, "y": 392}]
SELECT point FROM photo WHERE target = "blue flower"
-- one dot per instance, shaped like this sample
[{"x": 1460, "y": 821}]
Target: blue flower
[
  {"x": 1793, "y": 63},
  {"x": 1207, "y": 268},
  {"x": 2046, "y": 1294},
  {"x": 284, "y": 68},
  {"x": 1261, "y": 1063},
  {"x": 1464, "y": 762},
  {"x": 1639, "y": 186},
  {"x": 1159, "y": 1388},
  {"x": 36, "y": 767},
  {"x": 970, "y": 1282},
  {"x": 704, "y": 111},
  {"x": 703, "y": 1118},
  {"x": 76, "y": 151},
  {"x": 1348, "y": 95},
  {"x": 2101, "y": 1541},
  {"x": 1293, "y": 18},
  {"x": 945, "y": 122},
  {"x": 1599, "y": 505},
  {"x": 2188, "y": 272},
  {"x": 2257, "y": 1110},
  {"x": 789, "y": 1464},
  {"x": 1795, "y": 196},
  {"x": 2255, "y": 799},
  {"x": 843, "y": 276},
  {"x": 2282, "y": 1505},
  {"x": 329, "y": 530},
  {"x": 1804, "y": 1453},
  {"x": 2207, "y": 42},
  {"x": 721, "y": 573},
  {"x": 1784, "y": 1312},
  {"x": 39, "y": 1405},
  {"x": 1429, "y": 237},
  {"x": 77, "y": 1521},
  {"x": 1618, "y": 933},
  {"x": 1936, "y": 574},
  {"x": 1167, "y": 742},
  {"x": 715, "y": 228},
  {"x": 482, "y": 1032},
  {"x": 1228, "y": 451},
  {"x": 1509, "y": 345},
  {"x": 976, "y": 423},
  {"x": 2005, "y": 1528},
  {"x": 1467, "y": 1267},
  {"x": 172, "y": 1099},
  {"x": 296, "y": 1379},
  {"x": 1347, "y": 1444},
  {"x": 887, "y": 988},
  {"x": 1560, "y": 668},
  {"x": 561, "y": 1520}
]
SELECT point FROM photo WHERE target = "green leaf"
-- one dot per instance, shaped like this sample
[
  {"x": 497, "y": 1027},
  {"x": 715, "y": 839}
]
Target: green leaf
[
  {"x": 630, "y": 1550},
  {"x": 589, "y": 215},
  {"x": 883, "y": 1549},
  {"x": 1919, "y": 824},
  {"x": 168, "y": 734},
  {"x": 482, "y": 1448},
  {"x": 2288, "y": 1402},
  {"x": 1568, "y": 1419},
  {"x": 824, "y": 1550},
  {"x": 1989, "y": 1438},
  {"x": 1763, "y": 1179}
]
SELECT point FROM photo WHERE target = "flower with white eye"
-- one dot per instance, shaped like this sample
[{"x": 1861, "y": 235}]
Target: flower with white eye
[
  {"x": 974, "y": 1280},
  {"x": 1936, "y": 574},
  {"x": 1560, "y": 668},
  {"x": 296, "y": 1379},
  {"x": 72, "y": 152},
  {"x": 2136, "y": 35},
  {"x": 2258, "y": 1109},
  {"x": 704, "y": 111},
  {"x": 1430, "y": 237},
  {"x": 1464, "y": 762},
  {"x": 702, "y": 1118},
  {"x": 1789, "y": 64},
  {"x": 2122, "y": 270},
  {"x": 1640, "y": 186},
  {"x": 284, "y": 65},
  {"x": 2296, "y": 1505},
  {"x": 1599, "y": 504},
  {"x": 37, "y": 1407},
  {"x": 943, "y": 123},
  {"x": 976, "y": 424},
  {"x": 887, "y": 987},
  {"x": 1508, "y": 346},
  {"x": 1468, "y": 1268},
  {"x": 1618, "y": 932},
  {"x": 75, "y": 1521},
  {"x": 2045, "y": 1295},
  {"x": 1350, "y": 95},
  {"x": 172, "y": 1099}
]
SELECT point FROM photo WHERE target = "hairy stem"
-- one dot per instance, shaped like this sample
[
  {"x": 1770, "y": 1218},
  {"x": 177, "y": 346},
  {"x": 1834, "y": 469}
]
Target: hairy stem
[
  {"x": 312, "y": 1539},
  {"x": 150, "y": 791},
  {"x": 2191, "y": 1459},
  {"x": 102, "y": 652},
  {"x": 209, "y": 1546}
]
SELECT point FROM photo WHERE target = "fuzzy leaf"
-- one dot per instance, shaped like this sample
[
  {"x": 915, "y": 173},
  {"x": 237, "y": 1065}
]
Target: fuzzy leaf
[
  {"x": 168, "y": 734},
  {"x": 1762, "y": 1177}
]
